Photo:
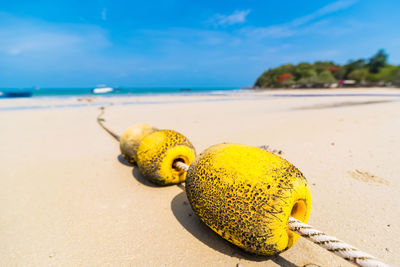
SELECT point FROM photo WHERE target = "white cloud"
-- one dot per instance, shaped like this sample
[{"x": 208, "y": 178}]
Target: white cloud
[
  {"x": 14, "y": 51},
  {"x": 301, "y": 25},
  {"x": 239, "y": 16},
  {"x": 326, "y": 10}
]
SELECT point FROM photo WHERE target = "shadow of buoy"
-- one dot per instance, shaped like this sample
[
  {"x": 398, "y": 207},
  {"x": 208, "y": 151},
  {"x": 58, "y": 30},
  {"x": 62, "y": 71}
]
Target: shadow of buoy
[
  {"x": 140, "y": 178},
  {"x": 191, "y": 222},
  {"x": 136, "y": 173},
  {"x": 122, "y": 160}
]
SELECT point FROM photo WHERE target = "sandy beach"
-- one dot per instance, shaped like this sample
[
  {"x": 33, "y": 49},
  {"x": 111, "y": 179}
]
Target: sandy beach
[{"x": 68, "y": 199}]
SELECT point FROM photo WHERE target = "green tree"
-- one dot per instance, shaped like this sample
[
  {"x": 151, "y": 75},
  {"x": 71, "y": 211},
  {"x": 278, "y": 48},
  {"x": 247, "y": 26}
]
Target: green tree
[
  {"x": 320, "y": 66},
  {"x": 270, "y": 77},
  {"x": 373, "y": 77},
  {"x": 287, "y": 68},
  {"x": 264, "y": 80},
  {"x": 326, "y": 77},
  {"x": 396, "y": 76},
  {"x": 351, "y": 66},
  {"x": 304, "y": 70},
  {"x": 321, "y": 73},
  {"x": 309, "y": 80},
  {"x": 359, "y": 74},
  {"x": 377, "y": 61},
  {"x": 387, "y": 73}
]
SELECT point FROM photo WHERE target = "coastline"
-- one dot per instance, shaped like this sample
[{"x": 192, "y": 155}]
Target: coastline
[
  {"x": 82, "y": 101},
  {"x": 68, "y": 199}
]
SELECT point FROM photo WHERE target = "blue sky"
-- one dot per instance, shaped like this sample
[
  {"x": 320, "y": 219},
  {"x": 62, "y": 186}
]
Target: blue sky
[{"x": 182, "y": 43}]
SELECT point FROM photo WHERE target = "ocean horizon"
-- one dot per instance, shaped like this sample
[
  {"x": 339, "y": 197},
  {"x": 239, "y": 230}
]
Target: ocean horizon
[{"x": 119, "y": 91}]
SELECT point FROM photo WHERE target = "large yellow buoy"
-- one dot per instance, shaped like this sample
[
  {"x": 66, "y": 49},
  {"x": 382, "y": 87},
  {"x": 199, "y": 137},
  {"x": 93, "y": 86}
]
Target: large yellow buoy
[
  {"x": 246, "y": 195},
  {"x": 157, "y": 154},
  {"x": 131, "y": 138}
]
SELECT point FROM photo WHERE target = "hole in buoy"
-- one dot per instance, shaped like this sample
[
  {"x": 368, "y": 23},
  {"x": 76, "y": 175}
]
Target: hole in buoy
[
  {"x": 299, "y": 210},
  {"x": 176, "y": 161}
]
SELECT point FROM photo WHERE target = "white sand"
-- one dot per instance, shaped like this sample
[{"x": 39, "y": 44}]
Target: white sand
[{"x": 66, "y": 199}]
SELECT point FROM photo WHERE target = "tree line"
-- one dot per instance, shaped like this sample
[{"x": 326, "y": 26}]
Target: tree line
[{"x": 374, "y": 71}]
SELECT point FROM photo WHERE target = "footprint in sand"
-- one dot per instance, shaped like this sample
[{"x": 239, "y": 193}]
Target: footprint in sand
[{"x": 367, "y": 177}]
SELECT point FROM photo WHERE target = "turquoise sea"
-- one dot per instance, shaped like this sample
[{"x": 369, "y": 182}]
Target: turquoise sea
[{"x": 60, "y": 92}]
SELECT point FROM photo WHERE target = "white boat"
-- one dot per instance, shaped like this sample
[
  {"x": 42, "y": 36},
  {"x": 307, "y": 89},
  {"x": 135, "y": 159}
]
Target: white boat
[{"x": 102, "y": 90}]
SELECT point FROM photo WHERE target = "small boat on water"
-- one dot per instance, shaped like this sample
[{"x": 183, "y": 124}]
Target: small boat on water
[
  {"x": 102, "y": 90},
  {"x": 12, "y": 94}
]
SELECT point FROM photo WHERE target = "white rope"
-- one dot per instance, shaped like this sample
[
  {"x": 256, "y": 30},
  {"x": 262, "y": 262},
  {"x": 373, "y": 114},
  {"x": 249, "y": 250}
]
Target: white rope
[
  {"x": 181, "y": 166},
  {"x": 334, "y": 245},
  {"x": 330, "y": 243}
]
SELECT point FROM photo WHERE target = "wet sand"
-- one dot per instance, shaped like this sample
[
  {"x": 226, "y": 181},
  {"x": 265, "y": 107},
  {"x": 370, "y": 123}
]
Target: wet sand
[{"x": 67, "y": 197}]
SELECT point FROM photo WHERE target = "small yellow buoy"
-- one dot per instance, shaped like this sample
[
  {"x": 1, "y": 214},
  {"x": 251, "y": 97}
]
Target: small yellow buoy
[
  {"x": 157, "y": 154},
  {"x": 131, "y": 138},
  {"x": 246, "y": 195}
]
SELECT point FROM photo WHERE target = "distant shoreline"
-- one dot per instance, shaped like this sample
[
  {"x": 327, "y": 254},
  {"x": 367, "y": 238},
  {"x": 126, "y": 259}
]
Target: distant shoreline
[
  {"x": 322, "y": 88},
  {"x": 126, "y": 91},
  {"x": 85, "y": 101}
]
